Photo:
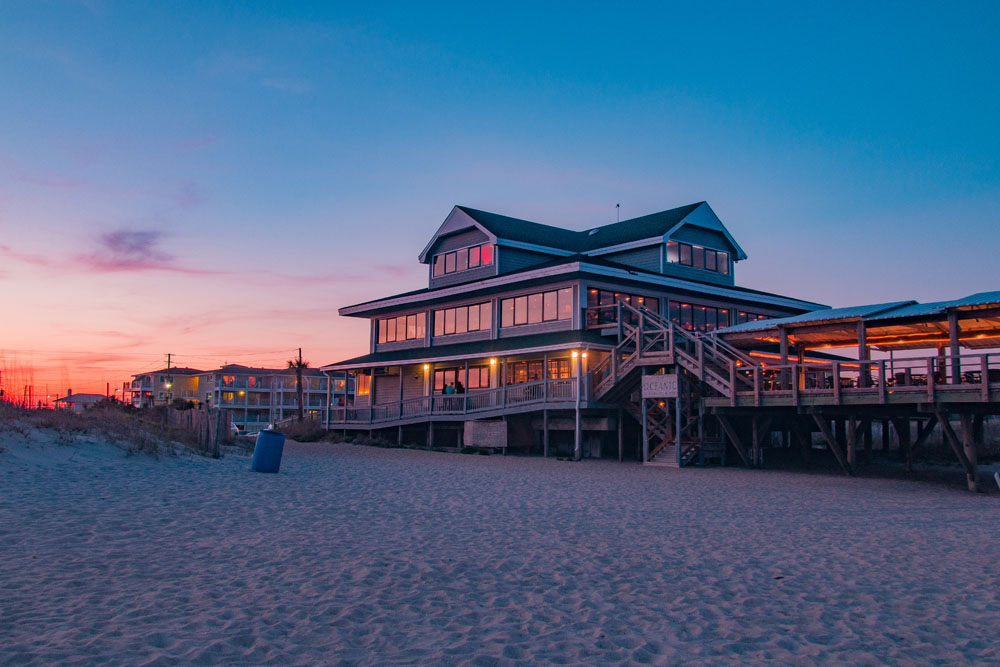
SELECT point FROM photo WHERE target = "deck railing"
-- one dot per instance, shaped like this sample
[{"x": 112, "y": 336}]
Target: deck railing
[
  {"x": 541, "y": 392},
  {"x": 875, "y": 381}
]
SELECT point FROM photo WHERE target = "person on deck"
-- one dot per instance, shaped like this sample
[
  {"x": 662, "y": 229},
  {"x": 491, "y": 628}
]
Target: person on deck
[{"x": 450, "y": 389}]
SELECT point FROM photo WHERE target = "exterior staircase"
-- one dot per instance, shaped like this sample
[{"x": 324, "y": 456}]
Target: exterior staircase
[{"x": 704, "y": 364}]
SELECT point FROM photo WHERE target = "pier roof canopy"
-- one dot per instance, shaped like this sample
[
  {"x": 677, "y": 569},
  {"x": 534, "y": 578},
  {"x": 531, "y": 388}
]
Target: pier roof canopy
[{"x": 900, "y": 325}]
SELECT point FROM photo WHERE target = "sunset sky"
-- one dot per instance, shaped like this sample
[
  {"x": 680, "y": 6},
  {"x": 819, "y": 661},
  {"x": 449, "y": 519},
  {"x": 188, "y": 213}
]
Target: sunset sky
[{"x": 215, "y": 182}]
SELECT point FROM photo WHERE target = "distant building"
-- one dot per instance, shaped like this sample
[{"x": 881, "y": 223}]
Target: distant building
[
  {"x": 254, "y": 397},
  {"x": 78, "y": 402},
  {"x": 163, "y": 386}
]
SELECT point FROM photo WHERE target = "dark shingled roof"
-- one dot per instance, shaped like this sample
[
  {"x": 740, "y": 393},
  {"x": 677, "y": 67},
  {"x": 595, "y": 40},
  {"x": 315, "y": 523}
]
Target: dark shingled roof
[
  {"x": 473, "y": 289},
  {"x": 647, "y": 226},
  {"x": 480, "y": 347}
]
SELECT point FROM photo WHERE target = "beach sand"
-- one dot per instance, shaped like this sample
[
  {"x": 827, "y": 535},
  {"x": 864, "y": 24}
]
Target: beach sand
[{"x": 359, "y": 555}]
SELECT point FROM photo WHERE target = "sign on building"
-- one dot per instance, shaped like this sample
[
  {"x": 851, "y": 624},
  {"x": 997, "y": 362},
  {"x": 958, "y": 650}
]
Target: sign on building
[{"x": 659, "y": 386}]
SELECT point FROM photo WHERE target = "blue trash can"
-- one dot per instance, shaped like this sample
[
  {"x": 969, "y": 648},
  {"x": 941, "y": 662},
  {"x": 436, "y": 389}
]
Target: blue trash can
[{"x": 267, "y": 451}]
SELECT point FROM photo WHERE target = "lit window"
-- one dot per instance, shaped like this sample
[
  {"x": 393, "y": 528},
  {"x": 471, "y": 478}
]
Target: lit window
[
  {"x": 463, "y": 259},
  {"x": 534, "y": 308}
]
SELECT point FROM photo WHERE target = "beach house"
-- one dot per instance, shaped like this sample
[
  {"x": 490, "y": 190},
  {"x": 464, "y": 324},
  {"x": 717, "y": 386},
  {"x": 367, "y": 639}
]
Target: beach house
[{"x": 528, "y": 325}]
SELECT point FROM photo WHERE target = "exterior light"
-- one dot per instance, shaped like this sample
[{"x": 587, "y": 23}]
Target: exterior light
[
  {"x": 243, "y": 393},
  {"x": 493, "y": 362},
  {"x": 575, "y": 354},
  {"x": 169, "y": 385},
  {"x": 427, "y": 367},
  {"x": 584, "y": 355}
]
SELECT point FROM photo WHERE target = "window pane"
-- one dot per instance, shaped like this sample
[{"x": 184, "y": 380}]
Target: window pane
[
  {"x": 474, "y": 257},
  {"x": 411, "y": 327},
  {"x": 485, "y": 315},
  {"x": 449, "y": 321},
  {"x": 535, "y": 308},
  {"x": 711, "y": 317},
  {"x": 421, "y": 329},
  {"x": 461, "y": 320},
  {"x": 507, "y": 313},
  {"x": 439, "y": 265},
  {"x": 723, "y": 319},
  {"x": 698, "y": 258},
  {"x": 401, "y": 327},
  {"x": 463, "y": 259},
  {"x": 652, "y": 304},
  {"x": 438, "y": 322},
  {"x": 534, "y": 371},
  {"x": 687, "y": 319},
  {"x": 566, "y": 303},
  {"x": 449, "y": 262},
  {"x": 673, "y": 252},
  {"x": 722, "y": 262},
  {"x": 606, "y": 298},
  {"x": 474, "y": 318},
  {"x": 699, "y": 318},
  {"x": 381, "y": 331},
  {"x": 674, "y": 311},
  {"x": 390, "y": 330},
  {"x": 550, "y": 309},
  {"x": 710, "y": 259},
  {"x": 685, "y": 254},
  {"x": 521, "y": 310},
  {"x": 592, "y": 298},
  {"x": 487, "y": 254}
]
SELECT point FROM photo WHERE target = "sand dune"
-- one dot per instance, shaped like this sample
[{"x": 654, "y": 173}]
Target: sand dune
[{"x": 359, "y": 555}]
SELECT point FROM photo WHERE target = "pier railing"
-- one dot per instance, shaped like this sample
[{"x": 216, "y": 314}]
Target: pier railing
[{"x": 910, "y": 379}]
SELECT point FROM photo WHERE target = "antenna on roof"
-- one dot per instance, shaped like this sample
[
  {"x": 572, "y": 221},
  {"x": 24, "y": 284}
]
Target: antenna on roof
[{"x": 618, "y": 209}]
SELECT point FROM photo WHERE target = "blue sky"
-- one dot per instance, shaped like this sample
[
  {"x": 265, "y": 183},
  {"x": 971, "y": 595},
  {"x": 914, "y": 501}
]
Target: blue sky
[{"x": 279, "y": 160}]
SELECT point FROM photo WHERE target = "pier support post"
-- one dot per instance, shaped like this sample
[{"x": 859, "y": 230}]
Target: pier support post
[
  {"x": 545, "y": 433},
  {"x": 969, "y": 447},
  {"x": 621, "y": 435}
]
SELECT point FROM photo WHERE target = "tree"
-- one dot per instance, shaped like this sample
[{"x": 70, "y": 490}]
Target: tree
[{"x": 298, "y": 365}]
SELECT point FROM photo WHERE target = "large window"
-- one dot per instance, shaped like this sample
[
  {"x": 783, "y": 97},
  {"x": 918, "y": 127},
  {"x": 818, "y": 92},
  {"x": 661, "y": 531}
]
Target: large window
[
  {"x": 404, "y": 327},
  {"x": 698, "y": 257},
  {"x": 536, "y": 308},
  {"x": 693, "y": 317},
  {"x": 525, "y": 371},
  {"x": 601, "y": 310},
  {"x": 463, "y": 260},
  {"x": 745, "y": 316},
  {"x": 463, "y": 319},
  {"x": 478, "y": 378}
]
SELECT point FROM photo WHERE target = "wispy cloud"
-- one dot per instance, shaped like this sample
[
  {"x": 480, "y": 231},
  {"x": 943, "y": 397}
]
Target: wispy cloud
[
  {"x": 17, "y": 173},
  {"x": 27, "y": 258},
  {"x": 288, "y": 85},
  {"x": 132, "y": 250}
]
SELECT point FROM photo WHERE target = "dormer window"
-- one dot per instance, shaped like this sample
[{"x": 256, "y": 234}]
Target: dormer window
[
  {"x": 698, "y": 257},
  {"x": 463, "y": 259}
]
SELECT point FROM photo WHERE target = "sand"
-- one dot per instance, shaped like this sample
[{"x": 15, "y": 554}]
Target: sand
[{"x": 359, "y": 555}]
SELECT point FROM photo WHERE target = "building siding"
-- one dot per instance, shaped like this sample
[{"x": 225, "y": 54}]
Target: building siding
[
  {"x": 467, "y": 276},
  {"x": 707, "y": 238},
  {"x": 642, "y": 258},
  {"x": 460, "y": 240}
]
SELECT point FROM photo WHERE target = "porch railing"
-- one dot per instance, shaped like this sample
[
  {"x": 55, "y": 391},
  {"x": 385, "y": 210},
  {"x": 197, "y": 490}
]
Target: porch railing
[{"x": 540, "y": 392}]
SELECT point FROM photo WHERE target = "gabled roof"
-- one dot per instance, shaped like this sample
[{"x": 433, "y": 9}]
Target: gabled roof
[{"x": 656, "y": 226}]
